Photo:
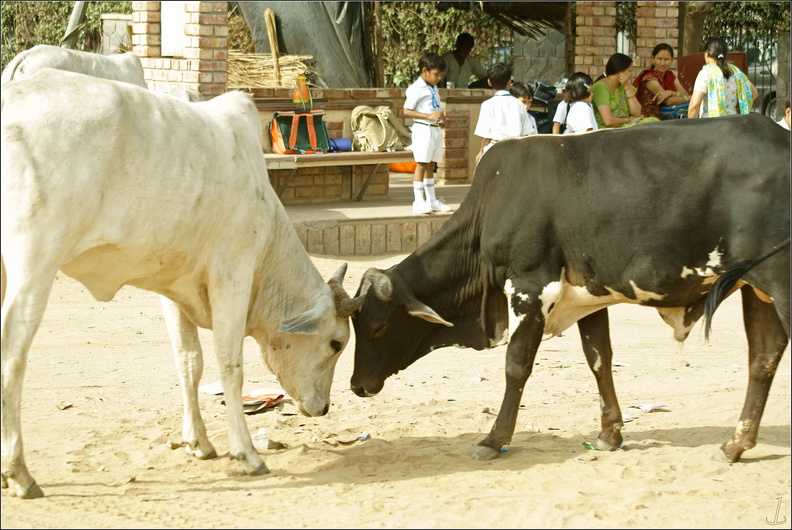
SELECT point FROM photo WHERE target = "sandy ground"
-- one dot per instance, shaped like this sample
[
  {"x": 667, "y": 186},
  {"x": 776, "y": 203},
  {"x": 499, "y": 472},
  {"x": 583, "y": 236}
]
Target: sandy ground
[{"x": 105, "y": 461}]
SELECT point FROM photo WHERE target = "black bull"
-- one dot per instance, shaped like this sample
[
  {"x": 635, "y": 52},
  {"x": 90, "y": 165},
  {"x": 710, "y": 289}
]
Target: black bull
[{"x": 569, "y": 225}]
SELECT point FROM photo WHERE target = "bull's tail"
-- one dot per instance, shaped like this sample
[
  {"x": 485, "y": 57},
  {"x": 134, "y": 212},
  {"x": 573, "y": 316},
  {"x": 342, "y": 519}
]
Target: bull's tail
[{"x": 726, "y": 281}]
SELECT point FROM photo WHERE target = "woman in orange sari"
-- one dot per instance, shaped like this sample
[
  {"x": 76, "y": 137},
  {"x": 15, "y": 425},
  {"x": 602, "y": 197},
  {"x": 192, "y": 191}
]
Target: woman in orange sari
[{"x": 658, "y": 86}]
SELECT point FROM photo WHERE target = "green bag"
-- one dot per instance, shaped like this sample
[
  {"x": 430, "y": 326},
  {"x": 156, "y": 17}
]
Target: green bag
[{"x": 295, "y": 132}]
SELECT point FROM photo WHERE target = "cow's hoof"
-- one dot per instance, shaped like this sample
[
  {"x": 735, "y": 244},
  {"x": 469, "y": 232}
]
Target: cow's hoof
[
  {"x": 484, "y": 452},
  {"x": 261, "y": 470},
  {"x": 33, "y": 492},
  {"x": 729, "y": 453}
]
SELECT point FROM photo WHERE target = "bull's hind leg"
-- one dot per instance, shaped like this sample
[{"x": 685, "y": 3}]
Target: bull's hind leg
[
  {"x": 767, "y": 341},
  {"x": 520, "y": 355},
  {"x": 595, "y": 336},
  {"x": 23, "y": 307},
  {"x": 189, "y": 364}
]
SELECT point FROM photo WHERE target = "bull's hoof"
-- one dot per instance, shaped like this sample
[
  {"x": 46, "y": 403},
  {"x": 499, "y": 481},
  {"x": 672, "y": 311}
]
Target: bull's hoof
[
  {"x": 205, "y": 456},
  {"x": 484, "y": 452},
  {"x": 33, "y": 492},
  {"x": 604, "y": 445},
  {"x": 729, "y": 453}
]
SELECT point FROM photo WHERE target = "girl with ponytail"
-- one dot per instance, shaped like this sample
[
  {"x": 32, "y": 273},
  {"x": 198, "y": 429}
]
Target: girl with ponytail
[{"x": 720, "y": 88}]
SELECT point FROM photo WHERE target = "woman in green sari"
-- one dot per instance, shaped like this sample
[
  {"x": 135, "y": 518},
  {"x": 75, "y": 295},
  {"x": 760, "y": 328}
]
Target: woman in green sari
[{"x": 615, "y": 104}]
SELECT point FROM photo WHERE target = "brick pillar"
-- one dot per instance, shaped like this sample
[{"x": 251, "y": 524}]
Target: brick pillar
[
  {"x": 595, "y": 40},
  {"x": 455, "y": 167},
  {"x": 657, "y": 22},
  {"x": 204, "y": 63}
]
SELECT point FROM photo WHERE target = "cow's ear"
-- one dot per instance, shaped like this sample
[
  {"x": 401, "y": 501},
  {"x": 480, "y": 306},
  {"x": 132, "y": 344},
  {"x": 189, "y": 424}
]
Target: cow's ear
[
  {"x": 421, "y": 310},
  {"x": 305, "y": 324}
]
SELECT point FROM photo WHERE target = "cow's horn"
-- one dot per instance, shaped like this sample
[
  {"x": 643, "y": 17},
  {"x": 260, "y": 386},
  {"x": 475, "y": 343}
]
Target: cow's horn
[{"x": 339, "y": 274}]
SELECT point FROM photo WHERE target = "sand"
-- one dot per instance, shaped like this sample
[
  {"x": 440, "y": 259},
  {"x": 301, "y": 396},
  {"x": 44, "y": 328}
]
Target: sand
[{"x": 102, "y": 403}]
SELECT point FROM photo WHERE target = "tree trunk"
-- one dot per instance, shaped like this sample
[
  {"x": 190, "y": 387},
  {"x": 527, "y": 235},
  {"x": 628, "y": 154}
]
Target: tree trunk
[{"x": 691, "y": 15}]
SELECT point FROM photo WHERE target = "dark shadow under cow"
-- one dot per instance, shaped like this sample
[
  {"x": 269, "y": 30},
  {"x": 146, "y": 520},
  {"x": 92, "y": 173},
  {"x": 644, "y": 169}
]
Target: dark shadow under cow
[{"x": 557, "y": 228}]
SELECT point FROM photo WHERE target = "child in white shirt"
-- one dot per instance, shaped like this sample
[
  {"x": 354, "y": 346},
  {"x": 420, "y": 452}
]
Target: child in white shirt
[
  {"x": 502, "y": 116},
  {"x": 580, "y": 115},
  {"x": 525, "y": 94},
  {"x": 422, "y": 104}
]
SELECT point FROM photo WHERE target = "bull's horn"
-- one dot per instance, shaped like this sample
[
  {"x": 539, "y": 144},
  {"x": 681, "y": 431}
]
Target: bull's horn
[{"x": 347, "y": 306}]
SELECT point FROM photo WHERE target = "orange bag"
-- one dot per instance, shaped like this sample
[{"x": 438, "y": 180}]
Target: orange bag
[{"x": 403, "y": 167}]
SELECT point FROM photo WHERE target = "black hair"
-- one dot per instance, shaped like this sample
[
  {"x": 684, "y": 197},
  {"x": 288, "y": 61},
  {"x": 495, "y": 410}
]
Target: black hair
[
  {"x": 663, "y": 46},
  {"x": 521, "y": 90},
  {"x": 431, "y": 61},
  {"x": 618, "y": 62},
  {"x": 577, "y": 88},
  {"x": 465, "y": 39},
  {"x": 499, "y": 75},
  {"x": 718, "y": 50}
]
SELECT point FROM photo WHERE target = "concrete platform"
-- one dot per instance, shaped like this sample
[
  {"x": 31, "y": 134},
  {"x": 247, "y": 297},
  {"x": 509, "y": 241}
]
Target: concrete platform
[{"x": 372, "y": 228}]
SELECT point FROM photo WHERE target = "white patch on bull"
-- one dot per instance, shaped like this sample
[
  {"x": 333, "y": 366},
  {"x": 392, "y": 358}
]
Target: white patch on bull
[
  {"x": 598, "y": 362},
  {"x": 644, "y": 296},
  {"x": 675, "y": 317},
  {"x": 713, "y": 260},
  {"x": 514, "y": 318}
]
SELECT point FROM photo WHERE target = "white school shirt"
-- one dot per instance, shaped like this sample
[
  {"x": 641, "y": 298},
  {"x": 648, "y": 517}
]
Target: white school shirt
[
  {"x": 782, "y": 122},
  {"x": 561, "y": 112},
  {"x": 503, "y": 116},
  {"x": 580, "y": 118},
  {"x": 424, "y": 98}
]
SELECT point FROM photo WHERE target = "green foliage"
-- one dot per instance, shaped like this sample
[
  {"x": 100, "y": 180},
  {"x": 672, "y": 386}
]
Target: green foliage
[
  {"x": 26, "y": 24},
  {"x": 745, "y": 24},
  {"x": 410, "y": 29}
]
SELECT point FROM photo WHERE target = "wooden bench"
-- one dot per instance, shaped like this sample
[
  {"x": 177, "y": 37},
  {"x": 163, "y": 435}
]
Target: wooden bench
[{"x": 348, "y": 158}]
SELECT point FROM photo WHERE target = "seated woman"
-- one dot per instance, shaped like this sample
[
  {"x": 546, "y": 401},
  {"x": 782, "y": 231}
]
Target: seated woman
[
  {"x": 615, "y": 104},
  {"x": 720, "y": 88},
  {"x": 658, "y": 86}
]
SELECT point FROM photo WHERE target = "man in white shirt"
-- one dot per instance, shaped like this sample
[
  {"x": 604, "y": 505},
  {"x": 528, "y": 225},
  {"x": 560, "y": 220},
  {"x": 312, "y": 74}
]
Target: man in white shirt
[
  {"x": 503, "y": 115},
  {"x": 460, "y": 65}
]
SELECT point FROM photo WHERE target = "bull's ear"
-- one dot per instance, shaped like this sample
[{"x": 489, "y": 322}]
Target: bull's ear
[
  {"x": 421, "y": 310},
  {"x": 305, "y": 324}
]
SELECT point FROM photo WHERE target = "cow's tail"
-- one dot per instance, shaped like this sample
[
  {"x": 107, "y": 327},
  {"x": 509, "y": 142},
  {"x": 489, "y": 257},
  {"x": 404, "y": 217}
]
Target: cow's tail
[{"x": 726, "y": 281}]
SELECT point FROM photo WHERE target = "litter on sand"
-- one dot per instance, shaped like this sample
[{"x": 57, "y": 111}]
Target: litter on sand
[
  {"x": 651, "y": 407},
  {"x": 215, "y": 388}
]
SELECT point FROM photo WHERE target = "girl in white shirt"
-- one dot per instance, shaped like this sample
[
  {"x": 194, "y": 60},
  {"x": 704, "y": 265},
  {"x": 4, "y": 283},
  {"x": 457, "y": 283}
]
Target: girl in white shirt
[{"x": 577, "y": 94}]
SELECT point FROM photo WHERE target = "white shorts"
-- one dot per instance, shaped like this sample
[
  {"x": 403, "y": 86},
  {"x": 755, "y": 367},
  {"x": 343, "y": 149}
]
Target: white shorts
[{"x": 427, "y": 143}]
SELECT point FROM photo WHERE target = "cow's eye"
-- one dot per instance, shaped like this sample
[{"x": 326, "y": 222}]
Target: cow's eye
[{"x": 336, "y": 345}]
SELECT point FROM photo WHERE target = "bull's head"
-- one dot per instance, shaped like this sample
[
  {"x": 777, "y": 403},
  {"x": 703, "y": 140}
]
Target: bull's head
[
  {"x": 304, "y": 351},
  {"x": 391, "y": 328}
]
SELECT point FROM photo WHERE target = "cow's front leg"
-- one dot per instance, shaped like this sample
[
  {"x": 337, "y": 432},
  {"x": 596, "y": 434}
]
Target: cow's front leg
[
  {"x": 595, "y": 336},
  {"x": 189, "y": 365},
  {"x": 229, "y": 315},
  {"x": 520, "y": 355},
  {"x": 767, "y": 341}
]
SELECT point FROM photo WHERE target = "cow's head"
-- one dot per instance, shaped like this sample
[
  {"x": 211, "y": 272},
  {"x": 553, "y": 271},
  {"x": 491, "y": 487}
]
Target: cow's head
[
  {"x": 304, "y": 351},
  {"x": 391, "y": 330}
]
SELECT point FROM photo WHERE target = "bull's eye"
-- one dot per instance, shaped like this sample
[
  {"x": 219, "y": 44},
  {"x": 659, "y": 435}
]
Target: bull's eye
[
  {"x": 380, "y": 331},
  {"x": 336, "y": 345}
]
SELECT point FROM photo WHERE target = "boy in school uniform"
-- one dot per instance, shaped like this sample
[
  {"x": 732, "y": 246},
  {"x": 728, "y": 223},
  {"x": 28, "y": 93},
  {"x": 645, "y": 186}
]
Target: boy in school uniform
[
  {"x": 422, "y": 104},
  {"x": 503, "y": 115},
  {"x": 525, "y": 94}
]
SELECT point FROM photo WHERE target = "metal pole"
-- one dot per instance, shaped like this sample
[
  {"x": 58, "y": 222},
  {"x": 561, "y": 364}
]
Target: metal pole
[{"x": 75, "y": 24}]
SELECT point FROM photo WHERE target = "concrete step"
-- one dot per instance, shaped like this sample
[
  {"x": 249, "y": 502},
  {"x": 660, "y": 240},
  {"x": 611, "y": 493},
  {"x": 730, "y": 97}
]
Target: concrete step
[{"x": 372, "y": 228}]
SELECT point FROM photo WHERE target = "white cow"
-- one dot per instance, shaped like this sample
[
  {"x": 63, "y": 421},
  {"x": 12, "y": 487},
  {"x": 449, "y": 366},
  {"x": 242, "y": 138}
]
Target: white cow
[
  {"x": 120, "y": 67},
  {"x": 144, "y": 189}
]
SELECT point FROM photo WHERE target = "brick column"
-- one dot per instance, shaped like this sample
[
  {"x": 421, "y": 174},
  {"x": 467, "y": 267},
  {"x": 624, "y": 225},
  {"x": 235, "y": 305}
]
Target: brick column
[
  {"x": 455, "y": 167},
  {"x": 657, "y": 22},
  {"x": 204, "y": 63},
  {"x": 595, "y": 40}
]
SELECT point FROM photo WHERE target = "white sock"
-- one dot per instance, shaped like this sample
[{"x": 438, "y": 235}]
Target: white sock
[
  {"x": 430, "y": 192},
  {"x": 418, "y": 190}
]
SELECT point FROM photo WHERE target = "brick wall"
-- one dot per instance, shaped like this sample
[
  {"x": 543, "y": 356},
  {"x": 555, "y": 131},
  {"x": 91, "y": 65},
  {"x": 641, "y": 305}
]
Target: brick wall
[
  {"x": 657, "y": 22},
  {"x": 595, "y": 40},
  {"x": 203, "y": 65}
]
